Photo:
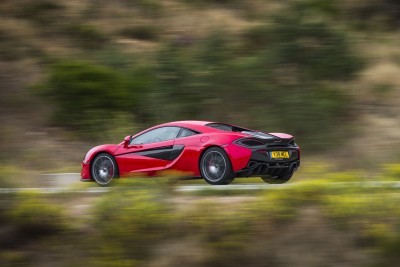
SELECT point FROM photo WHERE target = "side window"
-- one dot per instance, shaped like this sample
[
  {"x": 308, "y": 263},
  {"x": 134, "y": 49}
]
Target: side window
[
  {"x": 186, "y": 132},
  {"x": 156, "y": 135}
]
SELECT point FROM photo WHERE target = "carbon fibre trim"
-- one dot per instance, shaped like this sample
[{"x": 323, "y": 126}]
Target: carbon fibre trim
[
  {"x": 176, "y": 151},
  {"x": 165, "y": 153}
]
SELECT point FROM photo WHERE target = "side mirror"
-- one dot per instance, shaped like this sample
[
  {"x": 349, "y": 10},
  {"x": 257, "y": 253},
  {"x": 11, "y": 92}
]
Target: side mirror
[{"x": 127, "y": 140}]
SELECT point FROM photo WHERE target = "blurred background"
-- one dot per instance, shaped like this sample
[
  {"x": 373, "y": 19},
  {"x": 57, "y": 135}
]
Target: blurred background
[{"x": 74, "y": 74}]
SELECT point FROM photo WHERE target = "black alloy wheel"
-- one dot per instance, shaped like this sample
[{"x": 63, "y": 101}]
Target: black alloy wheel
[
  {"x": 215, "y": 167},
  {"x": 104, "y": 169}
]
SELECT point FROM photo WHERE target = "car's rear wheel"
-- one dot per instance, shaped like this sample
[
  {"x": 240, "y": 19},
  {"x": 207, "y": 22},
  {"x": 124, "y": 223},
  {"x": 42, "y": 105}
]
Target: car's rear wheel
[
  {"x": 279, "y": 179},
  {"x": 215, "y": 167},
  {"x": 104, "y": 169}
]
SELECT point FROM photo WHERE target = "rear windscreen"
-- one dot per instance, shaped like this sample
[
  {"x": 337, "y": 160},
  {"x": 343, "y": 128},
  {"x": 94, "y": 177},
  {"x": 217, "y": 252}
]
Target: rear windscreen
[{"x": 226, "y": 127}]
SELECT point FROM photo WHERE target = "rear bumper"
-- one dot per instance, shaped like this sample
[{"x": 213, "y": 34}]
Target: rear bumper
[{"x": 261, "y": 163}]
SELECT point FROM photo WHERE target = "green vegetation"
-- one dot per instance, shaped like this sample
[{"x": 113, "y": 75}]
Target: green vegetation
[
  {"x": 88, "y": 95},
  {"x": 77, "y": 73},
  {"x": 41, "y": 11},
  {"x": 316, "y": 69},
  {"x": 286, "y": 69},
  {"x": 152, "y": 224},
  {"x": 87, "y": 36},
  {"x": 34, "y": 217},
  {"x": 141, "y": 32},
  {"x": 365, "y": 15}
]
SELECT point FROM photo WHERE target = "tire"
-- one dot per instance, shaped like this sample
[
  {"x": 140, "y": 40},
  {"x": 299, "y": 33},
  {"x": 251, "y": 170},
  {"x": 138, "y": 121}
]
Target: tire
[
  {"x": 215, "y": 167},
  {"x": 103, "y": 169},
  {"x": 279, "y": 179}
]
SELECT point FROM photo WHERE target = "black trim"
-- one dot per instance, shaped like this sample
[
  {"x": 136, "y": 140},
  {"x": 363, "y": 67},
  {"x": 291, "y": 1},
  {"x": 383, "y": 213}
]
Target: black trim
[
  {"x": 165, "y": 153},
  {"x": 226, "y": 127},
  {"x": 260, "y": 162},
  {"x": 158, "y": 153},
  {"x": 176, "y": 151}
]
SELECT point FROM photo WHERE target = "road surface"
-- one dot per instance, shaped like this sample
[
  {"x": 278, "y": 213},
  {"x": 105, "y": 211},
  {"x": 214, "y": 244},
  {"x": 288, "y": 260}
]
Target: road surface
[{"x": 64, "y": 182}]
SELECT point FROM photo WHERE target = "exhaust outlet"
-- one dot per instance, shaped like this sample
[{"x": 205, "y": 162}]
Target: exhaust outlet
[{"x": 252, "y": 164}]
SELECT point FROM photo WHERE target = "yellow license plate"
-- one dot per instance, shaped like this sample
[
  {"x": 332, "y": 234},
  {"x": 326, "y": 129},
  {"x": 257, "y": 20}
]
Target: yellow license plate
[{"x": 279, "y": 154}]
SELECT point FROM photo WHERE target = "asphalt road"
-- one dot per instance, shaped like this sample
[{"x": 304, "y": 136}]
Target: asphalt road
[{"x": 64, "y": 182}]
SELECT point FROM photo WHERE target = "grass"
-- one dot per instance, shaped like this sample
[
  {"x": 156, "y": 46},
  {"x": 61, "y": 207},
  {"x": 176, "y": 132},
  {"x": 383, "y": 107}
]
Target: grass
[
  {"x": 149, "y": 213},
  {"x": 139, "y": 217}
]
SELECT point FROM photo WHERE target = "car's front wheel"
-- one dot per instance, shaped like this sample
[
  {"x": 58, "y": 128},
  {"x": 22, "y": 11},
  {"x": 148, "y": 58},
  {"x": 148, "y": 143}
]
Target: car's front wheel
[
  {"x": 104, "y": 169},
  {"x": 215, "y": 167}
]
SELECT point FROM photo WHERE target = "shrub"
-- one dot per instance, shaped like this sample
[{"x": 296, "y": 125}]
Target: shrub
[
  {"x": 207, "y": 3},
  {"x": 391, "y": 172},
  {"x": 282, "y": 84},
  {"x": 39, "y": 11},
  {"x": 7, "y": 173},
  {"x": 12, "y": 47},
  {"x": 150, "y": 7},
  {"x": 142, "y": 32},
  {"x": 371, "y": 14},
  {"x": 313, "y": 48},
  {"x": 87, "y": 36},
  {"x": 35, "y": 217},
  {"x": 363, "y": 15},
  {"x": 87, "y": 94},
  {"x": 132, "y": 221}
]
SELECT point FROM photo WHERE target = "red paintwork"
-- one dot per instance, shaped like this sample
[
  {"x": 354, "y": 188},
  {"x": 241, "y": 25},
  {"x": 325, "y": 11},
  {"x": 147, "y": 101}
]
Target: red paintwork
[
  {"x": 85, "y": 173},
  {"x": 135, "y": 163},
  {"x": 187, "y": 161}
]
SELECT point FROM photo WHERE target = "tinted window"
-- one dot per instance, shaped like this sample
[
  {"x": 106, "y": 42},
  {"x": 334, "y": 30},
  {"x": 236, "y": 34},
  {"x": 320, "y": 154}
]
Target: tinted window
[
  {"x": 156, "y": 135},
  {"x": 186, "y": 132},
  {"x": 226, "y": 127}
]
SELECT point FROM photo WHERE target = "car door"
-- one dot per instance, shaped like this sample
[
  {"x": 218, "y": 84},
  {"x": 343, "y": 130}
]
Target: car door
[{"x": 147, "y": 152}]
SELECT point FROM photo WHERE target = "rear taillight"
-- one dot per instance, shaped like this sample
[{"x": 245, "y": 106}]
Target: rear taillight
[{"x": 249, "y": 142}]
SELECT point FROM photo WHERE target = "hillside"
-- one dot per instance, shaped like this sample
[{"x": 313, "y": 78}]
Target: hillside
[{"x": 77, "y": 73}]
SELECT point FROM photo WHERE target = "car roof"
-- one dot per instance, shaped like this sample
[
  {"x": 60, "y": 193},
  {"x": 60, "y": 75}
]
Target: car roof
[{"x": 193, "y": 125}]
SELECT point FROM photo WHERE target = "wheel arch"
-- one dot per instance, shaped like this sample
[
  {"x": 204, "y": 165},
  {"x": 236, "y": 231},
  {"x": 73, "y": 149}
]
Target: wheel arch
[
  {"x": 207, "y": 148},
  {"x": 95, "y": 154},
  {"x": 227, "y": 176}
]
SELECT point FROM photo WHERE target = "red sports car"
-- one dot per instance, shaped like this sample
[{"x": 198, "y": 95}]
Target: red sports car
[{"x": 217, "y": 152}]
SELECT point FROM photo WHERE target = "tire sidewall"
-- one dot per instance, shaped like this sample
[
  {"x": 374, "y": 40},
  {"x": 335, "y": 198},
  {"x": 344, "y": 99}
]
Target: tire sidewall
[
  {"x": 228, "y": 175},
  {"x": 115, "y": 174}
]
